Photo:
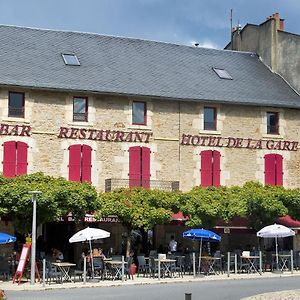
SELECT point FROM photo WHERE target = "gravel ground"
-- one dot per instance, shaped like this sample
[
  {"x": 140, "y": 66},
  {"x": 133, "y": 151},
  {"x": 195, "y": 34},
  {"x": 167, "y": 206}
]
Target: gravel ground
[{"x": 285, "y": 295}]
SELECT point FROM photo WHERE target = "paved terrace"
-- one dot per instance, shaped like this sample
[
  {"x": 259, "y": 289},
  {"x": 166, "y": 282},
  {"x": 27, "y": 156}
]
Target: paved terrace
[{"x": 148, "y": 280}]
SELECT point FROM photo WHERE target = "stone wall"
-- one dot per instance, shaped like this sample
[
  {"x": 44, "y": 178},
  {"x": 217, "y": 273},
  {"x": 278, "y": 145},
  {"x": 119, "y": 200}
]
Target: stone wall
[{"x": 167, "y": 120}]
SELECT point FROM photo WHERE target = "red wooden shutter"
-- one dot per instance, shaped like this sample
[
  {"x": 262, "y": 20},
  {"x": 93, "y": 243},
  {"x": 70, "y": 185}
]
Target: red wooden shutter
[
  {"x": 74, "y": 162},
  {"x": 279, "y": 172},
  {"x": 21, "y": 158},
  {"x": 206, "y": 168},
  {"x": 86, "y": 163},
  {"x": 145, "y": 167},
  {"x": 9, "y": 159},
  {"x": 270, "y": 169},
  {"x": 216, "y": 168},
  {"x": 134, "y": 166}
]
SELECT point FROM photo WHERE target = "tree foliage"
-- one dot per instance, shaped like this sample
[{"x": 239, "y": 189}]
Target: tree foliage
[
  {"x": 260, "y": 204},
  {"x": 137, "y": 207},
  {"x": 59, "y": 197}
]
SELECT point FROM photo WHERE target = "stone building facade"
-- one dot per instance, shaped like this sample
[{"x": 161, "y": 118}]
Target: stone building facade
[
  {"x": 174, "y": 128},
  {"x": 155, "y": 115}
]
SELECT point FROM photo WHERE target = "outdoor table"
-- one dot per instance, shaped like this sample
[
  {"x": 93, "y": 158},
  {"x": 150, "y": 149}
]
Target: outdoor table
[
  {"x": 209, "y": 262},
  {"x": 283, "y": 260},
  {"x": 116, "y": 265},
  {"x": 251, "y": 260},
  {"x": 64, "y": 267},
  {"x": 166, "y": 264}
]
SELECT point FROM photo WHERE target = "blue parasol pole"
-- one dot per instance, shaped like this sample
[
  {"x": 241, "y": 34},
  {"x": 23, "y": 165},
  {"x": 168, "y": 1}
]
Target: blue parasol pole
[{"x": 200, "y": 254}]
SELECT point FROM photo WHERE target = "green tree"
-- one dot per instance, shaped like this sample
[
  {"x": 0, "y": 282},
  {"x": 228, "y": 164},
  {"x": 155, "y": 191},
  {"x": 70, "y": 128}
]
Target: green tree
[
  {"x": 263, "y": 203},
  {"x": 138, "y": 208},
  {"x": 59, "y": 197}
]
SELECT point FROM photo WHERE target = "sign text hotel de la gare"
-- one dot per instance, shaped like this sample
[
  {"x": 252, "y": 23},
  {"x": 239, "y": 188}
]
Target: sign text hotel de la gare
[{"x": 144, "y": 137}]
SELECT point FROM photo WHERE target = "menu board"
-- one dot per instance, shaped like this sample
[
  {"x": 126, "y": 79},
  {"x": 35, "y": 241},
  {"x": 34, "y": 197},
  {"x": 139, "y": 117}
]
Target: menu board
[{"x": 22, "y": 262}]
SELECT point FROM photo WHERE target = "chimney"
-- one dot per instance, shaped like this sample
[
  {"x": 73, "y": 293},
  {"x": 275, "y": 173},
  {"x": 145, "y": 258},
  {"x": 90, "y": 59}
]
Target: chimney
[{"x": 279, "y": 22}]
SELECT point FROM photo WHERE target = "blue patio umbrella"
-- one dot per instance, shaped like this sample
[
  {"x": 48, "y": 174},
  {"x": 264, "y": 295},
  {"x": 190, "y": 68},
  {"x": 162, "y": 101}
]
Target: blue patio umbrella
[
  {"x": 201, "y": 235},
  {"x": 6, "y": 238}
]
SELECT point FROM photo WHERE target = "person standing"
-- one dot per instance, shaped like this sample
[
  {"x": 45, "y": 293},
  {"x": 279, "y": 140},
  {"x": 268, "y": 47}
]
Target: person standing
[{"x": 172, "y": 245}]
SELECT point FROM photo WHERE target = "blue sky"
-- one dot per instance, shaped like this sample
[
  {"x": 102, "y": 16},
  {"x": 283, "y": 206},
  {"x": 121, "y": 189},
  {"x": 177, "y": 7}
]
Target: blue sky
[{"x": 177, "y": 21}]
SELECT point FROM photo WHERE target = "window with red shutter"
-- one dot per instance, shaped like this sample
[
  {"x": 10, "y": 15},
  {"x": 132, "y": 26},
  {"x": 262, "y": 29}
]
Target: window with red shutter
[
  {"x": 145, "y": 167},
  {"x": 86, "y": 163},
  {"x": 210, "y": 168},
  {"x": 139, "y": 167},
  {"x": 80, "y": 163},
  {"x": 279, "y": 170},
  {"x": 216, "y": 168},
  {"x": 206, "y": 168},
  {"x": 273, "y": 169},
  {"x": 21, "y": 161},
  {"x": 9, "y": 159},
  {"x": 135, "y": 166},
  {"x": 14, "y": 158}
]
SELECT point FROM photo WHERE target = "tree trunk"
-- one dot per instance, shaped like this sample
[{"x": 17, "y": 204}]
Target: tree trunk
[{"x": 128, "y": 242}]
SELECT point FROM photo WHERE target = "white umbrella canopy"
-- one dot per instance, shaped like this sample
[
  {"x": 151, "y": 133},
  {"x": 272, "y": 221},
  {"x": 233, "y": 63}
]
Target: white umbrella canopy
[
  {"x": 89, "y": 234},
  {"x": 275, "y": 231}
]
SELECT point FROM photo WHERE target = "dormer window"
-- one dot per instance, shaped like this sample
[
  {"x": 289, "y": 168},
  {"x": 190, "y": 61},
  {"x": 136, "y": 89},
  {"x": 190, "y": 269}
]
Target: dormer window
[{"x": 70, "y": 59}]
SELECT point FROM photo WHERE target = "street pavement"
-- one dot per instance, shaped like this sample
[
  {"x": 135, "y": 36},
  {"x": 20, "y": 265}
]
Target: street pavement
[{"x": 214, "y": 287}]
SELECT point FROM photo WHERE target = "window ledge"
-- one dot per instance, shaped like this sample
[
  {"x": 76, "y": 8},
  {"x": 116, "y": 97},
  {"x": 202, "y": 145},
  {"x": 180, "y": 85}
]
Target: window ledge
[
  {"x": 13, "y": 119},
  {"x": 210, "y": 132},
  {"x": 81, "y": 124},
  {"x": 139, "y": 127},
  {"x": 273, "y": 136}
]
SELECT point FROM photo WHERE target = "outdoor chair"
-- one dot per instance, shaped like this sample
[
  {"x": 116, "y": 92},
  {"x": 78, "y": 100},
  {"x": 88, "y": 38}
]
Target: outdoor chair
[
  {"x": 243, "y": 264},
  {"x": 143, "y": 267},
  {"x": 78, "y": 271},
  {"x": 153, "y": 265},
  {"x": 188, "y": 263},
  {"x": 52, "y": 273},
  {"x": 218, "y": 267},
  {"x": 117, "y": 257},
  {"x": 178, "y": 266},
  {"x": 5, "y": 271},
  {"x": 99, "y": 267}
]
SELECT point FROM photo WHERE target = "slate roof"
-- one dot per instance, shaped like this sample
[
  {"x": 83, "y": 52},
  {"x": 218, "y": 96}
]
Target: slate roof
[{"x": 116, "y": 65}]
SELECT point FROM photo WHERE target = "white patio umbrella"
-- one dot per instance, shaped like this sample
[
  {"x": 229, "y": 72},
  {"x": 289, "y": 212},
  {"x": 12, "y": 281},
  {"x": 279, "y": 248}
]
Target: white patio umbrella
[
  {"x": 89, "y": 234},
  {"x": 275, "y": 231}
]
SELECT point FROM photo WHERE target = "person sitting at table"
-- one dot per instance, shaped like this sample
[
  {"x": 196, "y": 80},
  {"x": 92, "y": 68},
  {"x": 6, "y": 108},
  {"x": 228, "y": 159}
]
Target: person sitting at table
[
  {"x": 101, "y": 254},
  {"x": 57, "y": 254}
]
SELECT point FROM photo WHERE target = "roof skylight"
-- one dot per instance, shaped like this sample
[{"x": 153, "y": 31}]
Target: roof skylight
[
  {"x": 223, "y": 74},
  {"x": 70, "y": 59}
]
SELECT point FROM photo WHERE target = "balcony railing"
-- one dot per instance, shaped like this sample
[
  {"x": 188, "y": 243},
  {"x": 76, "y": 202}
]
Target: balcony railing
[{"x": 115, "y": 183}]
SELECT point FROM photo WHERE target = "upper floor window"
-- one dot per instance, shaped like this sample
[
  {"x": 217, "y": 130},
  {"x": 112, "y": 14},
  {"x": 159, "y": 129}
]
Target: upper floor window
[
  {"x": 80, "y": 109},
  {"x": 16, "y": 104},
  {"x": 272, "y": 122},
  {"x": 139, "y": 113},
  {"x": 210, "y": 118}
]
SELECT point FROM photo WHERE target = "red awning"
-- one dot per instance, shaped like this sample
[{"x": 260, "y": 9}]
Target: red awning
[
  {"x": 288, "y": 222},
  {"x": 179, "y": 217}
]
